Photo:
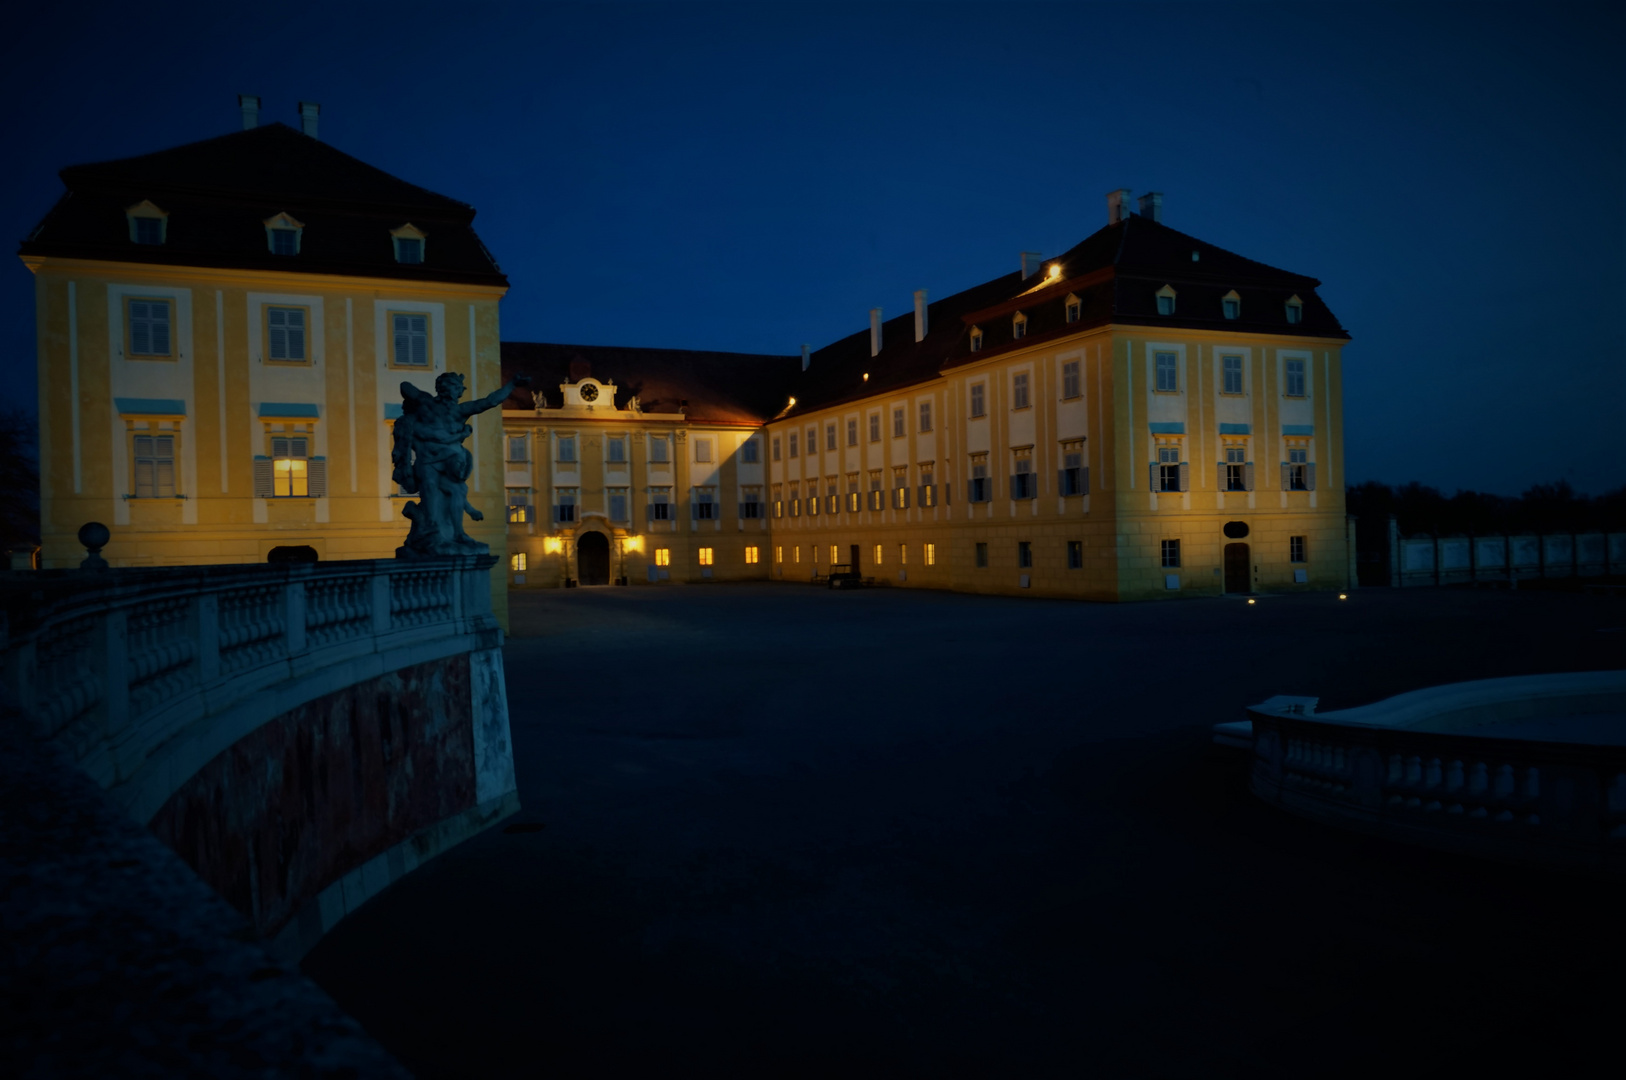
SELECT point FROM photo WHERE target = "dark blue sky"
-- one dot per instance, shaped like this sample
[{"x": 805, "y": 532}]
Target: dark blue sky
[{"x": 751, "y": 178}]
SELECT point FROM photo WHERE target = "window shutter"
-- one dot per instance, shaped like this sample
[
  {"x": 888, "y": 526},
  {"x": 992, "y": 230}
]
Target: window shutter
[
  {"x": 1084, "y": 480},
  {"x": 1152, "y": 481},
  {"x": 1247, "y": 476},
  {"x": 1284, "y": 476},
  {"x": 1185, "y": 476},
  {"x": 649, "y": 512},
  {"x": 1016, "y": 487},
  {"x": 316, "y": 474},
  {"x": 1222, "y": 477},
  {"x": 1309, "y": 476},
  {"x": 970, "y": 491},
  {"x": 1061, "y": 482},
  {"x": 262, "y": 477},
  {"x": 694, "y": 510}
]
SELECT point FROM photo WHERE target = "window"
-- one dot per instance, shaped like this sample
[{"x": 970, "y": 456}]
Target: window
[
  {"x": 154, "y": 466},
  {"x": 703, "y": 505},
  {"x": 1231, "y": 374},
  {"x": 874, "y": 427},
  {"x": 516, "y": 562},
  {"x": 751, "y": 503},
  {"x": 702, "y": 451},
  {"x": 750, "y": 452},
  {"x": 1167, "y": 469},
  {"x": 1295, "y": 311},
  {"x": 1073, "y": 477},
  {"x": 752, "y": 555},
  {"x": 284, "y": 241},
  {"x": 1171, "y": 554},
  {"x": 1231, "y": 305},
  {"x": 519, "y": 506},
  {"x": 618, "y": 504},
  {"x": 1019, "y": 326},
  {"x": 567, "y": 449},
  {"x": 1165, "y": 301},
  {"x": 982, "y": 555},
  {"x": 794, "y": 439},
  {"x": 899, "y": 424},
  {"x": 285, "y": 334},
  {"x": 1075, "y": 554},
  {"x": 776, "y": 448},
  {"x": 979, "y": 404},
  {"x": 925, "y": 416},
  {"x": 829, "y": 436},
  {"x": 658, "y": 448},
  {"x": 812, "y": 441},
  {"x": 409, "y": 245},
  {"x": 1024, "y": 554},
  {"x": 852, "y": 432},
  {"x": 900, "y": 489},
  {"x": 1024, "y": 484},
  {"x": 855, "y": 499},
  {"x": 1295, "y": 471},
  {"x": 1075, "y": 309},
  {"x": 149, "y": 322},
  {"x": 564, "y": 511},
  {"x": 877, "y": 497},
  {"x": 516, "y": 449},
  {"x": 1069, "y": 380},
  {"x": 148, "y": 224},
  {"x": 1295, "y": 549},
  {"x": 795, "y": 500},
  {"x": 903, "y": 554},
  {"x": 411, "y": 339},
  {"x": 615, "y": 450},
  {"x": 877, "y": 554},
  {"x": 834, "y": 493},
  {"x": 779, "y": 553},
  {"x": 835, "y": 554},
  {"x": 928, "y": 485},
  {"x": 1295, "y": 378},
  {"x": 290, "y": 468},
  {"x": 663, "y": 556},
  {"x": 930, "y": 558},
  {"x": 1168, "y": 372},
  {"x": 1235, "y": 469},
  {"x": 705, "y": 556},
  {"x": 978, "y": 486},
  {"x": 1019, "y": 390},
  {"x": 660, "y": 504},
  {"x": 976, "y": 339}
]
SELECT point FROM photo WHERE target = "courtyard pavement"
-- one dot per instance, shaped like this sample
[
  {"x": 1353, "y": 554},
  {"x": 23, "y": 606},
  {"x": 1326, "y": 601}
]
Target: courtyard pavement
[{"x": 777, "y": 831}]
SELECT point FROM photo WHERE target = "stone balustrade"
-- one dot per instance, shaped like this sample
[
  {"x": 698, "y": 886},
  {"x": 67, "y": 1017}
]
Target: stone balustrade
[{"x": 1530, "y": 769}]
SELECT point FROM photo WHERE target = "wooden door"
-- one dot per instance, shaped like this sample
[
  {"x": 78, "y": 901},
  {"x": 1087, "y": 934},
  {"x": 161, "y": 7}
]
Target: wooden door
[{"x": 1238, "y": 569}]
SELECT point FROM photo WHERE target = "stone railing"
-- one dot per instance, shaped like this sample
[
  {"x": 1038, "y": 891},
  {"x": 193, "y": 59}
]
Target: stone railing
[
  {"x": 1451, "y": 560},
  {"x": 143, "y": 675},
  {"x": 1444, "y": 768}
]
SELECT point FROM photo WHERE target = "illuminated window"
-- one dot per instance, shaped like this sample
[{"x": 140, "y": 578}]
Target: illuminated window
[
  {"x": 1069, "y": 380},
  {"x": 1232, "y": 374},
  {"x": 290, "y": 465},
  {"x": 663, "y": 556},
  {"x": 795, "y": 500},
  {"x": 516, "y": 562},
  {"x": 982, "y": 555},
  {"x": 877, "y": 554},
  {"x": 1168, "y": 372},
  {"x": 410, "y": 339},
  {"x": 751, "y": 556},
  {"x": 877, "y": 497},
  {"x": 928, "y": 485},
  {"x": 1171, "y": 554},
  {"x": 835, "y": 554},
  {"x": 1019, "y": 390},
  {"x": 899, "y": 424},
  {"x": 979, "y": 403},
  {"x": 1295, "y": 549},
  {"x": 285, "y": 334},
  {"x": 903, "y": 554},
  {"x": 779, "y": 553},
  {"x": 1075, "y": 554},
  {"x": 154, "y": 466},
  {"x": 855, "y": 498},
  {"x": 796, "y": 554},
  {"x": 931, "y": 555},
  {"x": 519, "y": 506},
  {"x": 900, "y": 488},
  {"x": 149, "y": 322},
  {"x": 1024, "y": 554},
  {"x": 705, "y": 556},
  {"x": 1295, "y": 378}
]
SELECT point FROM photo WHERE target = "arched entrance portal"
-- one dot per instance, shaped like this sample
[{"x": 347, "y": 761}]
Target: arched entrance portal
[
  {"x": 593, "y": 559},
  {"x": 1238, "y": 578}
]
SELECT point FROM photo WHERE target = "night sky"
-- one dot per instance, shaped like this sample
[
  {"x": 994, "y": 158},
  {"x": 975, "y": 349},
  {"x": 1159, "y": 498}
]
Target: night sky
[{"x": 752, "y": 178}]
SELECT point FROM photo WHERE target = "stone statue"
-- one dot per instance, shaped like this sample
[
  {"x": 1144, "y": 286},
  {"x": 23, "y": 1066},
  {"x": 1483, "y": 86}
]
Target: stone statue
[{"x": 430, "y": 462}]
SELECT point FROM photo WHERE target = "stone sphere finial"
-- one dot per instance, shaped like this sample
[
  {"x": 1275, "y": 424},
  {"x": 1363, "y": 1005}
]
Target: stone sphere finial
[{"x": 94, "y": 535}]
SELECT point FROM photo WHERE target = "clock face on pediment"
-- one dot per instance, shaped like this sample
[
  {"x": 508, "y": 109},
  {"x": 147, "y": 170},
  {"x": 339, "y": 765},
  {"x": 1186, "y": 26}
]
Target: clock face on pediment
[{"x": 588, "y": 391}]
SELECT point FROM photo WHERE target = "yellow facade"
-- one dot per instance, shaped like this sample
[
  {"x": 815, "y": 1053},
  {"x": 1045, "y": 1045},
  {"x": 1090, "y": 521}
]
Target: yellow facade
[
  {"x": 1112, "y": 413},
  {"x": 221, "y": 397}
]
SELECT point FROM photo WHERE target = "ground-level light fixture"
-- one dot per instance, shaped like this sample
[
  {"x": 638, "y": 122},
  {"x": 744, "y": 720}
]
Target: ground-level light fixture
[
  {"x": 1250, "y": 599},
  {"x": 1341, "y": 596}
]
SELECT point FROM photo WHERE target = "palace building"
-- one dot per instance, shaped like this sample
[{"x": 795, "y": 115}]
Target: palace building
[
  {"x": 223, "y": 329},
  {"x": 1143, "y": 416}
]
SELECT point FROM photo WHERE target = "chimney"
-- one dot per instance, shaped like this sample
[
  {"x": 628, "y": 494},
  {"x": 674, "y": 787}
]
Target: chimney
[
  {"x": 250, "y": 104},
  {"x": 1151, "y": 205},
  {"x": 806, "y": 358},
  {"x": 1031, "y": 261},
  {"x": 920, "y": 314},
  {"x": 1117, "y": 206},
  {"x": 308, "y": 112}
]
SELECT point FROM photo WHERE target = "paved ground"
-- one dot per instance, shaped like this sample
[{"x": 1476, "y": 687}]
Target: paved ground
[{"x": 777, "y": 831}]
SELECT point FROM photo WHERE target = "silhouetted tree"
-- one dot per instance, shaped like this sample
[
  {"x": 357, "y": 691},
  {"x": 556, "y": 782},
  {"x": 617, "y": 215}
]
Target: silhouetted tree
[{"x": 19, "y": 478}]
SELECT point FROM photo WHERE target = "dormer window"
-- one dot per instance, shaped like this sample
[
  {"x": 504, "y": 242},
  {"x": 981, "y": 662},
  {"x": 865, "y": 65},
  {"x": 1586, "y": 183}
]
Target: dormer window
[
  {"x": 1165, "y": 301},
  {"x": 1075, "y": 309},
  {"x": 409, "y": 244},
  {"x": 1019, "y": 326},
  {"x": 1231, "y": 304},
  {"x": 1295, "y": 310},
  {"x": 976, "y": 339},
  {"x": 282, "y": 234},
  {"x": 148, "y": 224}
]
